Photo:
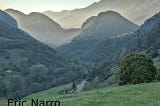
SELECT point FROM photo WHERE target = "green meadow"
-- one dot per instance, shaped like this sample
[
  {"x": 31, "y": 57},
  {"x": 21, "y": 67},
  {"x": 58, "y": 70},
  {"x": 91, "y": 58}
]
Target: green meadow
[{"x": 130, "y": 95}]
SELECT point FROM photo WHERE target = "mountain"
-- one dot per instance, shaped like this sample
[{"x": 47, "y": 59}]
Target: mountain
[
  {"x": 13, "y": 38},
  {"x": 137, "y": 11},
  {"x": 111, "y": 50},
  {"x": 42, "y": 28},
  {"x": 26, "y": 65},
  {"x": 147, "y": 37},
  {"x": 97, "y": 54},
  {"x": 7, "y": 19},
  {"x": 151, "y": 24},
  {"x": 106, "y": 27}
]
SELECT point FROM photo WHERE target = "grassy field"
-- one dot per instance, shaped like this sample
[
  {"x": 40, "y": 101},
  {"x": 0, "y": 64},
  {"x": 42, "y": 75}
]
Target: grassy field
[
  {"x": 3, "y": 103},
  {"x": 133, "y": 95},
  {"x": 42, "y": 95}
]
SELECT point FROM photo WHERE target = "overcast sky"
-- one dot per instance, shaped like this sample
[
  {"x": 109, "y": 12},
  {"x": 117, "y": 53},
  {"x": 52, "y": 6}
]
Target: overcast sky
[{"x": 28, "y": 6}]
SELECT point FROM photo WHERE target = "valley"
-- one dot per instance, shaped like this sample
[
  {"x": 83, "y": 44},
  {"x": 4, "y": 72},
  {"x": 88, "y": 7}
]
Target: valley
[{"x": 100, "y": 55}]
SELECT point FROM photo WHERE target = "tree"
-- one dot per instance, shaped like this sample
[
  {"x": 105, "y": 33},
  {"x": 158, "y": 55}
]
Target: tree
[
  {"x": 137, "y": 68},
  {"x": 73, "y": 85},
  {"x": 39, "y": 72}
]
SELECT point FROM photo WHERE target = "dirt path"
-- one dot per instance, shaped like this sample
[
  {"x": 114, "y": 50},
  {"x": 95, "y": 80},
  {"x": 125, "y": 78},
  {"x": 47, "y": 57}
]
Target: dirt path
[{"x": 80, "y": 86}]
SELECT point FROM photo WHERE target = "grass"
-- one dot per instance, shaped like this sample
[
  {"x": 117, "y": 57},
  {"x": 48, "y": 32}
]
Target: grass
[
  {"x": 44, "y": 95},
  {"x": 48, "y": 94},
  {"x": 131, "y": 95},
  {"x": 3, "y": 102}
]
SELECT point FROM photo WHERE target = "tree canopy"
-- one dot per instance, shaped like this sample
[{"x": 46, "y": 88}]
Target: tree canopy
[{"x": 137, "y": 68}]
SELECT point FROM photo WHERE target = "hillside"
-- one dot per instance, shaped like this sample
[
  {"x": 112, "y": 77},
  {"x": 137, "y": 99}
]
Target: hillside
[
  {"x": 138, "y": 15},
  {"x": 26, "y": 65},
  {"x": 42, "y": 28},
  {"x": 15, "y": 40},
  {"x": 87, "y": 46},
  {"x": 131, "y": 95},
  {"x": 99, "y": 37},
  {"x": 105, "y": 53}
]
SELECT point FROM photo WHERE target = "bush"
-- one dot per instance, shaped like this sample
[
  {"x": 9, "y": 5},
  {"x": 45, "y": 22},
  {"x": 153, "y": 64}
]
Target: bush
[{"x": 137, "y": 68}]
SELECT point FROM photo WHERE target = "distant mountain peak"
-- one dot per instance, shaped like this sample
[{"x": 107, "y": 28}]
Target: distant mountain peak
[
  {"x": 135, "y": 11},
  {"x": 14, "y": 11},
  {"x": 106, "y": 24},
  {"x": 36, "y": 14},
  {"x": 102, "y": 14},
  {"x": 42, "y": 28},
  {"x": 43, "y": 18},
  {"x": 110, "y": 12}
]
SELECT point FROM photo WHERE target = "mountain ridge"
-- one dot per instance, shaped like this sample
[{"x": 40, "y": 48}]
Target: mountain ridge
[
  {"x": 7, "y": 19},
  {"x": 109, "y": 24},
  {"x": 43, "y": 28},
  {"x": 137, "y": 15}
]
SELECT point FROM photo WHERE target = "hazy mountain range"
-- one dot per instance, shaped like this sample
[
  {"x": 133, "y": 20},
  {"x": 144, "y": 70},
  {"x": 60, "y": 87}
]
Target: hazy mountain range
[
  {"x": 135, "y": 10},
  {"x": 50, "y": 32},
  {"x": 111, "y": 49},
  {"x": 42, "y": 28},
  {"x": 107, "y": 26}
]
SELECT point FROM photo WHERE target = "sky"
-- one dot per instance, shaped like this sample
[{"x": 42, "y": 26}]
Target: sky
[{"x": 28, "y": 6}]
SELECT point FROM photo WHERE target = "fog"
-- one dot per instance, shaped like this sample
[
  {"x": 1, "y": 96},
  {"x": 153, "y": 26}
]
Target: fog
[{"x": 135, "y": 10}]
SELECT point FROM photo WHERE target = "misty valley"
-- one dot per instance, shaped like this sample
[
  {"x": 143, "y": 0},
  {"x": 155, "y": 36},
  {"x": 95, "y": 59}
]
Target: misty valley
[{"x": 101, "y": 55}]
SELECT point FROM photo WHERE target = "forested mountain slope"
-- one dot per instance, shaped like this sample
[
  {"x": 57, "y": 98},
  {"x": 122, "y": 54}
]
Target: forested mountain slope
[{"x": 26, "y": 65}]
